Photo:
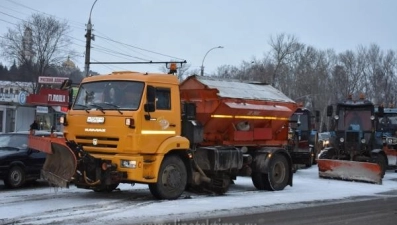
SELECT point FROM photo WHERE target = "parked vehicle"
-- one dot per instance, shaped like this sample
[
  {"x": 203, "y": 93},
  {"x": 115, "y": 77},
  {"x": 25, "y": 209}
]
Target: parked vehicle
[
  {"x": 324, "y": 139},
  {"x": 201, "y": 133},
  {"x": 20, "y": 164},
  {"x": 354, "y": 154},
  {"x": 386, "y": 134},
  {"x": 303, "y": 137}
]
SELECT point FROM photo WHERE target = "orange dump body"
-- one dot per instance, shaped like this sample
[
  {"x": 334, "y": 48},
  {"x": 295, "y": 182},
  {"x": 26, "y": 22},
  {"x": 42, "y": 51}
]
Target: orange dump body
[{"x": 240, "y": 114}]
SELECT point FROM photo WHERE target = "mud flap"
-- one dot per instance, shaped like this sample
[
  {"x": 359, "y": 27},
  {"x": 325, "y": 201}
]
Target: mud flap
[
  {"x": 350, "y": 170},
  {"x": 59, "y": 166}
]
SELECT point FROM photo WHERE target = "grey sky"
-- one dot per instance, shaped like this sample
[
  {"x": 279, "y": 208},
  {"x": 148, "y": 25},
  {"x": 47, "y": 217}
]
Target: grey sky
[{"x": 187, "y": 29}]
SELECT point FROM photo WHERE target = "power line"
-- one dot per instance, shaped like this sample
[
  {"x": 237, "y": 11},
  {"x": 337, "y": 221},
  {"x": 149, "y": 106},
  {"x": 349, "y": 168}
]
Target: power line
[
  {"x": 138, "y": 47},
  {"x": 8, "y": 22},
  {"x": 27, "y": 7},
  {"x": 10, "y": 15},
  {"x": 106, "y": 38},
  {"x": 104, "y": 50},
  {"x": 112, "y": 43},
  {"x": 109, "y": 67},
  {"x": 13, "y": 10},
  {"x": 115, "y": 52}
]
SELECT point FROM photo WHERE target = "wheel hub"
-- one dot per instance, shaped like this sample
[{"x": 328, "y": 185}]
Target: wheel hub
[{"x": 172, "y": 177}]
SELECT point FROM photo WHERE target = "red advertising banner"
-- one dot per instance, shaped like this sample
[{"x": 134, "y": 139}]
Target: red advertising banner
[{"x": 49, "y": 97}]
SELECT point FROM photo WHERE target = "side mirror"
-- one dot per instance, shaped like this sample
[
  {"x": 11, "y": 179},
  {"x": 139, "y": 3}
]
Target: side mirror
[
  {"x": 66, "y": 84},
  {"x": 70, "y": 99},
  {"x": 151, "y": 94},
  {"x": 330, "y": 110},
  {"x": 149, "y": 107}
]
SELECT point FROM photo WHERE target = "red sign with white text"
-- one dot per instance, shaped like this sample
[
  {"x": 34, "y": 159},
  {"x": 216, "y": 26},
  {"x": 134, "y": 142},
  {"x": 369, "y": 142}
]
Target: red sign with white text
[
  {"x": 49, "y": 97},
  {"x": 51, "y": 80}
]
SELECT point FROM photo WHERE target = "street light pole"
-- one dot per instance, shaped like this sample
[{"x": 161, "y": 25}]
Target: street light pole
[
  {"x": 88, "y": 37},
  {"x": 202, "y": 63}
]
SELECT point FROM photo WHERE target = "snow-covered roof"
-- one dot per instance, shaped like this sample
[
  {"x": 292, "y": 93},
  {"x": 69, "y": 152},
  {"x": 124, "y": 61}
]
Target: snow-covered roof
[{"x": 239, "y": 89}]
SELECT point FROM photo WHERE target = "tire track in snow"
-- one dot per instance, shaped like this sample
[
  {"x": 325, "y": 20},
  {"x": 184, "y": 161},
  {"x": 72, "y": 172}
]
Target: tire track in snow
[{"x": 82, "y": 214}]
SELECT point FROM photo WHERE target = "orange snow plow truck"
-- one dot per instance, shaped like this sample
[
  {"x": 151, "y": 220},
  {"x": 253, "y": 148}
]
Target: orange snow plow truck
[{"x": 130, "y": 127}]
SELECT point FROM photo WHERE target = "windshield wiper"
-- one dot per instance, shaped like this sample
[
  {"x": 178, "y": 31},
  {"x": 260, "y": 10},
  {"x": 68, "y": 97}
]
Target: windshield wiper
[
  {"x": 115, "y": 106},
  {"x": 98, "y": 107},
  {"x": 84, "y": 106},
  {"x": 9, "y": 147}
]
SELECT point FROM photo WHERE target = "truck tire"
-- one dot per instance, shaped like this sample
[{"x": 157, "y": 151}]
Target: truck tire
[
  {"x": 311, "y": 159},
  {"x": 277, "y": 177},
  {"x": 381, "y": 161},
  {"x": 172, "y": 179},
  {"x": 15, "y": 177}
]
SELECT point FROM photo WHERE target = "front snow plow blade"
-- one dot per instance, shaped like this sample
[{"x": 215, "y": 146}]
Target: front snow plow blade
[
  {"x": 60, "y": 164},
  {"x": 350, "y": 170}
]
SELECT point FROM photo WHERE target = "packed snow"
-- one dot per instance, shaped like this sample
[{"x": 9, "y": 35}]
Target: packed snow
[{"x": 41, "y": 204}]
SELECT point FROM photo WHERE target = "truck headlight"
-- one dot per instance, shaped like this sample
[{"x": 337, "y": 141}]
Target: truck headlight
[
  {"x": 128, "y": 164},
  {"x": 363, "y": 141}
]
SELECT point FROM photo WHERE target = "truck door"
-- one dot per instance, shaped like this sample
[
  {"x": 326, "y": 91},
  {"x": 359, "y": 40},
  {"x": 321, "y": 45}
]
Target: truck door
[{"x": 164, "y": 122}]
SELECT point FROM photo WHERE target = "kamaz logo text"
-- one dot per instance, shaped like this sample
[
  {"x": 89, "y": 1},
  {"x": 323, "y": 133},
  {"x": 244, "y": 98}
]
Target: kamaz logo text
[{"x": 94, "y": 130}]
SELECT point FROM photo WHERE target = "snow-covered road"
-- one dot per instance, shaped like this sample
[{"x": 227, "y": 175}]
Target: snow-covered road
[{"x": 134, "y": 204}]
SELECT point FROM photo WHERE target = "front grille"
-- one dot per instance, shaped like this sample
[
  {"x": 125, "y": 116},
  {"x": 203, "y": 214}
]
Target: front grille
[
  {"x": 101, "y": 142},
  {"x": 352, "y": 137}
]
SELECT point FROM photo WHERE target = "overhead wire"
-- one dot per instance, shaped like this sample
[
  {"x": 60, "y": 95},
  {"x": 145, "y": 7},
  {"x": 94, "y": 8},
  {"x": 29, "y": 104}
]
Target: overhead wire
[
  {"x": 38, "y": 11},
  {"x": 130, "y": 49},
  {"x": 96, "y": 47},
  {"x": 142, "y": 49},
  {"x": 8, "y": 22},
  {"x": 108, "y": 65}
]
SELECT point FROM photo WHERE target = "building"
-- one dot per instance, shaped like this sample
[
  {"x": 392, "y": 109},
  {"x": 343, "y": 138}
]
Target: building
[{"x": 15, "y": 114}]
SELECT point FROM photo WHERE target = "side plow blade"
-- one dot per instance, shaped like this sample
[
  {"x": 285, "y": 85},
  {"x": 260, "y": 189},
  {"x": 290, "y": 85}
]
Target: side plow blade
[
  {"x": 350, "y": 170},
  {"x": 60, "y": 166}
]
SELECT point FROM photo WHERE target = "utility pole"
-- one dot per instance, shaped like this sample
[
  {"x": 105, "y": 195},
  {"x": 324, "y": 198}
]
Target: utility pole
[{"x": 88, "y": 39}]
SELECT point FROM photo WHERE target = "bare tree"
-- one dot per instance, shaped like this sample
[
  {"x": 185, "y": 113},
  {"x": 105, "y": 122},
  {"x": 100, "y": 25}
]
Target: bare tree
[
  {"x": 283, "y": 47},
  {"x": 37, "y": 44},
  {"x": 227, "y": 71}
]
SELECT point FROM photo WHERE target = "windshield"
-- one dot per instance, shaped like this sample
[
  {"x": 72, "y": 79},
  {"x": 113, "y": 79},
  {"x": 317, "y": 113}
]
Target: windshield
[
  {"x": 108, "y": 95},
  {"x": 13, "y": 141},
  {"x": 358, "y": 119},
  {"x": 324, "y": 136}
]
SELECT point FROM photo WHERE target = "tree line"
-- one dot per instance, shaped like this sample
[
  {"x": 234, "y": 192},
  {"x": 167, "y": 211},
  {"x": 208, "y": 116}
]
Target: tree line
[{"x": 318, "y": 77}]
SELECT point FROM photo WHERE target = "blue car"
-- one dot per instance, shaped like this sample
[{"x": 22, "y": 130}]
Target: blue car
[{"x": 18, "y": 163}]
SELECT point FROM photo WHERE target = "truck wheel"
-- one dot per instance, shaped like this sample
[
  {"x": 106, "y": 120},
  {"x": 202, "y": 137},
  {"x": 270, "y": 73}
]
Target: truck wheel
[
  {"x": 15, "y": 177},
  {"x": 311, "y": 159},
  {"x": 381, "y": 161},
  {"x": 172, "y": 179},
  {"x": 276, "y": 179}
]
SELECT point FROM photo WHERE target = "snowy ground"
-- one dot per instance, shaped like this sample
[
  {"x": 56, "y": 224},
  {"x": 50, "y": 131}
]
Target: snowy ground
[{"x": 135, "y": 205}]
